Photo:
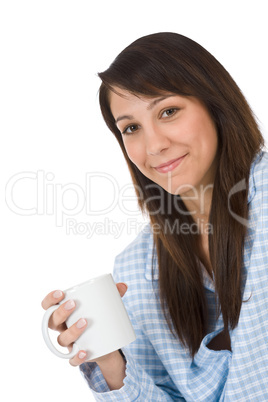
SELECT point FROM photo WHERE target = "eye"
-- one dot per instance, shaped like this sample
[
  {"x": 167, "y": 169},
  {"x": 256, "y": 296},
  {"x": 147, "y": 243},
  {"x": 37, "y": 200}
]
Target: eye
[
  {"x": 130, "y": 129},
  {"x": 169, "y": 112}
]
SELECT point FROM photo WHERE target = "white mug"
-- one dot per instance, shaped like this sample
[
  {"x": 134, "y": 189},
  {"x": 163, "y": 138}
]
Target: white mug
[{"x": 108, "y": 325}]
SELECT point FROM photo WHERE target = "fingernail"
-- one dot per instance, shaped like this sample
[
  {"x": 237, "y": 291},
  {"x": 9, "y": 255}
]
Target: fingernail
[
  {"x": 125, "y": 284},
  {"x": 81, "y": 323},
  {"x": 57, "y": 294},
  {"x": 69, "y": 305},
  {"x": 82, "y": 355}
]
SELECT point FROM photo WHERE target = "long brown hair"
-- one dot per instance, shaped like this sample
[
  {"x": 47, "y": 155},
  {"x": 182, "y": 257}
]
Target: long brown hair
[{"x": 173, "y": 63}]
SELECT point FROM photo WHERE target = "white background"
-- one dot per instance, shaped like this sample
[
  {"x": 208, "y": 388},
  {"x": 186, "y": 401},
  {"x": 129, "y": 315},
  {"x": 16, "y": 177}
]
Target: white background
[{"x": 50, "y": 122}]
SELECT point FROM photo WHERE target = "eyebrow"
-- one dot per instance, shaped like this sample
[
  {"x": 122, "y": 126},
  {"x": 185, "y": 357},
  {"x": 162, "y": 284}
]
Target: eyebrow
[{"x": 149, "y": 107}]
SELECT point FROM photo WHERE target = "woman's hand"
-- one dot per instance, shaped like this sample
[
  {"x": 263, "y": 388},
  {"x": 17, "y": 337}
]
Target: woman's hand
[{"x": 68, "y": 336}]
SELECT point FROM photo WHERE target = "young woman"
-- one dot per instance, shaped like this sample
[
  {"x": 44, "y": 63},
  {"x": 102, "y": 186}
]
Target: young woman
[{"x": 197, "y": 275}]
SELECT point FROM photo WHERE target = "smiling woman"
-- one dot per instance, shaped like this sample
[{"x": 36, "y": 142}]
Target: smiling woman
[
  {"x": 171, "y": 134},
  {"x": 195, "y": 154}
]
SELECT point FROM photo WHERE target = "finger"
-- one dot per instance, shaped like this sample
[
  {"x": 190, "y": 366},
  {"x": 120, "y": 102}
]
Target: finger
[
  {"x": 52, "y": 298},
  {"x": 78, "y": 359},
  {"x": 122, "y": 288},
  {"x": 60, "y": 315},
  {"x": 71, "y": 334}
]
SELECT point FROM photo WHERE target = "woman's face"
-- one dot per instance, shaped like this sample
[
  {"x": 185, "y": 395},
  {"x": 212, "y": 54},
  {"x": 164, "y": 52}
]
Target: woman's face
[{"x": 171, "y": 139}]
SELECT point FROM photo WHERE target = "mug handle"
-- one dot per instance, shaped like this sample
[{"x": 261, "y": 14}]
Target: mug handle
[{"x": 47, "y": 339}]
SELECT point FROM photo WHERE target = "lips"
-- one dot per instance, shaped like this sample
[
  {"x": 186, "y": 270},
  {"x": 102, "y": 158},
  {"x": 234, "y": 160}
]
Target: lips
[{"x": 170, "y": 165}]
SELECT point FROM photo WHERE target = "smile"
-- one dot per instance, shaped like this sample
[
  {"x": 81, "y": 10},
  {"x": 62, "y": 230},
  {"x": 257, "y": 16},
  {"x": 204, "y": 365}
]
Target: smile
[{"x": 170, "y": 165}]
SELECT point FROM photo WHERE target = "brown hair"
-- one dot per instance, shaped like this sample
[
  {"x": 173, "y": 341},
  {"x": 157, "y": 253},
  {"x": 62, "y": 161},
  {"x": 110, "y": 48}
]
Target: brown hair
[{"x": 171, "y": 62}]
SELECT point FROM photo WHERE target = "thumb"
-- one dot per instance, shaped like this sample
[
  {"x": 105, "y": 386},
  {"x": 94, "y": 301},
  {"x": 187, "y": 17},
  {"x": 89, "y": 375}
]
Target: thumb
[{"x": 122, "y": 288}]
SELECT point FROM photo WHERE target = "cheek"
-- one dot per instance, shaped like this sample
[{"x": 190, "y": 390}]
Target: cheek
[
  {"x": 134, "y": 151},
  {"x": 211, "y": 140},
  {"x": 206, "y": 135}
]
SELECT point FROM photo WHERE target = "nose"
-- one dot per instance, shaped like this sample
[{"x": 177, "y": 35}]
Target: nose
[{"x": 156, "y": 140}]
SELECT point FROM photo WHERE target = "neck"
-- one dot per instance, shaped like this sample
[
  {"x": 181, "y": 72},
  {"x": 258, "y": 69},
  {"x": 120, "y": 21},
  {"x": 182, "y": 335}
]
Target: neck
[{"x": 198, "y": 203}]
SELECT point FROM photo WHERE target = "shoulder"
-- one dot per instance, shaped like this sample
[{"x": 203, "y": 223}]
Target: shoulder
[
  {"x": 135, "y": 261},
  {"x": 259, "y": 164},
  {"x": 258, "y": 179}
]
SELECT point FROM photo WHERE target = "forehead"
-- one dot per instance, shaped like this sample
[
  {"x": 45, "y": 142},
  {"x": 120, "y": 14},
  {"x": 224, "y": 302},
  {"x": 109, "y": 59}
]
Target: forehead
[
  {"x": 119, "y": 93},
  {"x": 119, "y": 98}
]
